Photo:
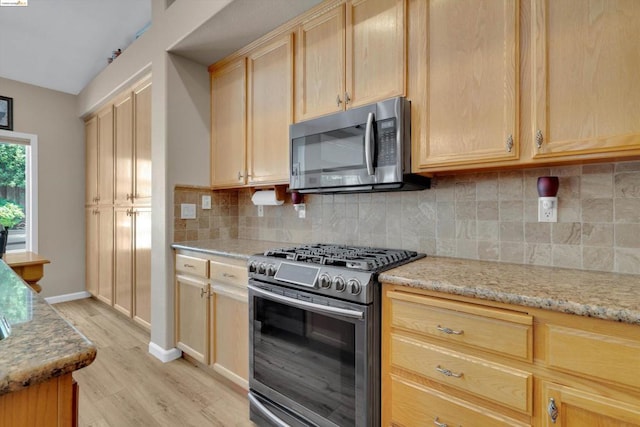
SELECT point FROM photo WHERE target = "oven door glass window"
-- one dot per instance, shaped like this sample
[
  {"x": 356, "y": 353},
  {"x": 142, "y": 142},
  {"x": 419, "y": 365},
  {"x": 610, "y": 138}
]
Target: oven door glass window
[{"x": 307, "y": 357}]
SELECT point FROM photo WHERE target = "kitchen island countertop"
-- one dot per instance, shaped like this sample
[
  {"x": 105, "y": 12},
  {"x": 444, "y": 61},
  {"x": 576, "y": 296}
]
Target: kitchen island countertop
[
  {"x": 42, "y": 345},
  {"x": 601, "y": 295}
]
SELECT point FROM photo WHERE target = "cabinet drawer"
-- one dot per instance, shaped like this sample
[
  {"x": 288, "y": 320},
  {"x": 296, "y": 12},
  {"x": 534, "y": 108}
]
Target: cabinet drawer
[
  {"x": 498, "y": 331},
  {"x": 195, "y": 266},
  {"x": 502, "y": 384},
  {"x": 231, "y": 272},
  {"x": 602, "y": 356},
  {"x": 416, "y": 405}
]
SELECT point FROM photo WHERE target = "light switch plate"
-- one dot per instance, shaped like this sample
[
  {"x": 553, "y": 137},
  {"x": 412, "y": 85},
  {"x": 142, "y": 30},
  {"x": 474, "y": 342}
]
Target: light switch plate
[
  {"x": 206, "y": 202},
  {"x": 188, "y": 211}
]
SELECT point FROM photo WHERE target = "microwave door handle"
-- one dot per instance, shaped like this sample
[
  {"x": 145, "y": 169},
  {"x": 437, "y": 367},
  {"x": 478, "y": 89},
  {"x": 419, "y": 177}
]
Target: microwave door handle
[{"x": 368, "y": 148}]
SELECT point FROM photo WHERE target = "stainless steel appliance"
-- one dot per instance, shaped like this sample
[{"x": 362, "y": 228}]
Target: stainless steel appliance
[
  {"x": 361, "y": 149},
  {"x": 314, "y": 325}
]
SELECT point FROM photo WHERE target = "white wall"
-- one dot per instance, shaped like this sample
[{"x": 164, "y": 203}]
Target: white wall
[{"x": 52, "y": 116}]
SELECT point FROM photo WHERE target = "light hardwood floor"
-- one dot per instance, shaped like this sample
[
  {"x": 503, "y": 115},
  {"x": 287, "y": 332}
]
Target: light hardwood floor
[{"x": 126, "y": 386}]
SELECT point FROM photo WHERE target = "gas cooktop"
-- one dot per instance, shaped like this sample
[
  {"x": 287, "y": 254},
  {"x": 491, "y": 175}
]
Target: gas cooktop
[{"x": 356, "y": 257}]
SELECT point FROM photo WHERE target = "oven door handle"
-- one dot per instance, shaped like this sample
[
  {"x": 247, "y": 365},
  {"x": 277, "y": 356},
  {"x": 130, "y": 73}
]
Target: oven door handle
[
  {"x": 267, "y": 413},
  {"x": 304, "y": 304}
]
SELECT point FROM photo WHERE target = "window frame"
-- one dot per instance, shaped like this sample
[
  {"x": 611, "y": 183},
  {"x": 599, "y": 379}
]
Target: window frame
[{"x": 31, "y": 188}]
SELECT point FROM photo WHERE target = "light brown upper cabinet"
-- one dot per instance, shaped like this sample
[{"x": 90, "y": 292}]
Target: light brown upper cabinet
[
  {"x": 251, "y": 110},
  {"x": 585, "y": 81},
  {"x": 91, "y": 154},
  {"x": 133, "y": 146},
  {"x": 228, "y": 124},
  {"x": 269, "y": 110},
  {"x": 105, "y": 156},
  {"x": 350, "y": 55},
  {"x": 463, "y": 83}
]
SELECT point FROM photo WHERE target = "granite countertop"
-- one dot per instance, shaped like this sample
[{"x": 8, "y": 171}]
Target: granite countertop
[
  {"x": 42, "y": 345},
  {"x": 232, "y": 248},
  {"x": 602, "y": 295}
]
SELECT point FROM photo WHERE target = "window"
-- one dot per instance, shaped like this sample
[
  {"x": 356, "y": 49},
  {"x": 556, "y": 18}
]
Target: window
[{"x": 18, "y": 185}]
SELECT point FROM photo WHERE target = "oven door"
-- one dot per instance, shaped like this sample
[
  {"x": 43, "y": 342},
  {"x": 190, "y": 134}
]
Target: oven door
[{"x": 311, "y": 363}]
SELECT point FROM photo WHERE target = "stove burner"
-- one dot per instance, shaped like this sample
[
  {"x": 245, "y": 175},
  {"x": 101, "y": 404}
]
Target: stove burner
[{"x": 356, "y": 257}]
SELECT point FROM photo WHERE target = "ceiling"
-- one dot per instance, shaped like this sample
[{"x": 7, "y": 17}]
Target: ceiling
[{"x": 64, "y": 44}]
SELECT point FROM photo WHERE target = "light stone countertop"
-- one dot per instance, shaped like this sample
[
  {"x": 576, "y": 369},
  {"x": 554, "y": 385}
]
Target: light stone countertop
[
  {"x": 602, "y": 295},
  {"x": 231, "y": 248},
  {"x": 42, "y": 345}
]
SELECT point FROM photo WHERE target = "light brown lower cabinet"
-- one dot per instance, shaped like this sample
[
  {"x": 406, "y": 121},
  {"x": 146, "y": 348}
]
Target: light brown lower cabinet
[
  {"x": 212, "y": 316},
  {"x": 450, "y": 360},
  {"x": 53, "y": 403}
]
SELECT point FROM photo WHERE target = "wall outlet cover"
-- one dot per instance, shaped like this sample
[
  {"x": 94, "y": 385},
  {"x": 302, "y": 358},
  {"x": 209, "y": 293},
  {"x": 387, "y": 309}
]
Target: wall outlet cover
[
  {"x": 206, "y": 202},
  {"x": 547, "y": 209},
  {"x": 260, "y": 210},
  {"x": 188, "y": 211}
]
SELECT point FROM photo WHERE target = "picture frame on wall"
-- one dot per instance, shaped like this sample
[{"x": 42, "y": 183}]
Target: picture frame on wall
[{"x": 6, "y": 113}]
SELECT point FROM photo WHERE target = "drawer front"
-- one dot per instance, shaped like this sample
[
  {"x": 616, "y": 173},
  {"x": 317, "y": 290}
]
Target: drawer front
[
  {"x": 602, "y": 356},
  {"x": 231, "y": 273},
  {"x": 416, "y": 405},
  {"x": 494, "y": 330},
  {"x": 502, "y": 384},
  {"x": 191, "y": 265}
]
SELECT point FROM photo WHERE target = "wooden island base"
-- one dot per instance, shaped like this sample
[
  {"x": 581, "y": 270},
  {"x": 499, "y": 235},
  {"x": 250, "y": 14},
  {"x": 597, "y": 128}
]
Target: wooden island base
[{"x": 28, "y": 265}]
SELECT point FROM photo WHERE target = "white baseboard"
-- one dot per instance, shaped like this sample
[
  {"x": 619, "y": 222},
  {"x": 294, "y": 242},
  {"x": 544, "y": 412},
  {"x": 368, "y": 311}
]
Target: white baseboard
[
  {"x": 164, "y": 355},
  {"x": 68, "y": 297}
]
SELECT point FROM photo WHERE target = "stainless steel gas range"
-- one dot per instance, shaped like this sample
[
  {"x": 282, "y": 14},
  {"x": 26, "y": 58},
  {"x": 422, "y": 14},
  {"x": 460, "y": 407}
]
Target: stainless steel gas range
[{"x": 314, "y": 323}]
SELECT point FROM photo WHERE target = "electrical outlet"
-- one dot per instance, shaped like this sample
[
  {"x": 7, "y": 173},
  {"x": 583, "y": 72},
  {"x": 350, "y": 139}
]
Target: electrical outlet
[
  {"x": 188, "y": 211},
  {"x": 260, "y": 210},
  {"x": 547, "y": 209},
  {"x": 206, "y": 202}
]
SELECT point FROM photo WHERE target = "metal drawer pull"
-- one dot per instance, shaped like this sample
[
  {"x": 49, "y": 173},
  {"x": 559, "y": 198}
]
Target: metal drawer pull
[
  {"x": 438, "y": 423},
  {"x": 188, "y": 265},
  {"x": 203, "y": 292},
  {"x": 232, "y": 276},
  {"x": 552, "y": 410},
  {"x": 448, "y": 372},
  {"x": 449, "y": 330}
]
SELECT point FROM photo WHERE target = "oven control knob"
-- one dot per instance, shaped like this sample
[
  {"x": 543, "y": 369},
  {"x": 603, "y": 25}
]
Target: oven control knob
[
  {"x": 271, "y": 270},
  {"x": 354, "y": 286},
  {"x": 324, "y": 281},
  {"x": 262, "y": 268},
  {"x": 338, "y": 283},
  {"x": 253, "y": 267}
]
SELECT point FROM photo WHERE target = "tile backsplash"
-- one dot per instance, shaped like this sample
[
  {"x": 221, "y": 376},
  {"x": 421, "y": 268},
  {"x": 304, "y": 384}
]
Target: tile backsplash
[{"x": 487, "y": 216}]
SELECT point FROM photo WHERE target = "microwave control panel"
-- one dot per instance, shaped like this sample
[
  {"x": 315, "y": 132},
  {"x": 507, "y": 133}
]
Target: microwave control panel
[{"x": 387, "y": 144}]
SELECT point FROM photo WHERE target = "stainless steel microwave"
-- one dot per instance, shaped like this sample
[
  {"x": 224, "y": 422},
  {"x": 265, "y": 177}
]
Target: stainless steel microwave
[{"x": 363, "y": 149}]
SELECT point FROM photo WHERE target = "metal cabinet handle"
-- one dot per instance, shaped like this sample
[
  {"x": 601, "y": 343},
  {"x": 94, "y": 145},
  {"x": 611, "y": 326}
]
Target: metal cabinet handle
[
  {"x": 449, "y": 330},
  {"x": 129, "y": 196},
  {"x": 228, "y": 275},
  {"x": 438, "y": 423},
  {"x": 448, "y": 372},
  {"x": 552, "y": 410},
  {"x": 188, "y": 266},
  {"x": 539, "y": 139},
  {"x": 204, "y": 292},
  {"x": 509, "y": 143},
  {"x": 338, "y": 100},
  {"x": 240, "y": 175},
  {"x": 347, "y": 99}
]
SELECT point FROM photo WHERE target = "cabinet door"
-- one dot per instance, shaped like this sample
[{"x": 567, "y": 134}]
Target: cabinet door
[
  {"x": 375, "y": 50},
  {"x": 142, "y": 143},
  {"x": 320, "y": 65},
  {"x": 142, "y": 266},
  {"x": 192, "y": 317},
  {"x": 105, "y": 253},
  {"x": 123, "y": 142},
  {"x": 585, "y": 82},
  {"x": 269, "y": 114},
  {"x": 105, "y": 156},
  {"x": 228, "y": 125},
  {"x": 91, "y": 166},
  {"x": 469, "y": 112},
  {"x": 123, "y": 260},
  {"x": 230, "y": 350},
  {"x": 92, "y": 247},
  {"x": 570, "y": 407}
]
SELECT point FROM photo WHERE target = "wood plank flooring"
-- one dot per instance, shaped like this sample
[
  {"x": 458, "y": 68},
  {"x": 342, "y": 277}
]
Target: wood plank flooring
[{"x": 126, "y": 386}]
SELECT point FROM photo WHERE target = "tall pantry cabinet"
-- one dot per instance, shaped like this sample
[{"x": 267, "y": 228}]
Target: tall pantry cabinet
[{"x": 118, "y": 199}]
